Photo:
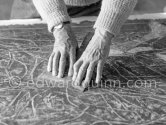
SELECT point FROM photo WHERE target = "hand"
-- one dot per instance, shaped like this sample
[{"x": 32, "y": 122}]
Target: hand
[
  {"x": 95, "y": 54},
  {"x": 65, "y": 46}
]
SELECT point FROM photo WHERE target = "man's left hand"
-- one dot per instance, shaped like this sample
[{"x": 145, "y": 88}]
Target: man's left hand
[{"x": 94, "y": 55}]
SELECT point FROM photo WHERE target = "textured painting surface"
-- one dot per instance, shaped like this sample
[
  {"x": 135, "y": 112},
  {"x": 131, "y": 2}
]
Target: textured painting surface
[{"x": 133, "y": 88}]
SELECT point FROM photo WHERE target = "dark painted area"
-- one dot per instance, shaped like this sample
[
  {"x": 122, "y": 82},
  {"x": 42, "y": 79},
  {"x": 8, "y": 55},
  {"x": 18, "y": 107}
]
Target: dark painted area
[{"x": 31, "y": 96}]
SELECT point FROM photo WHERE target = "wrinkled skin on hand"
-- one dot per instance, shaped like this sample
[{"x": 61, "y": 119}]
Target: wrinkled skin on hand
[
  {"x": 64, "y": 47},
  {"x": 94, "y": 55}
]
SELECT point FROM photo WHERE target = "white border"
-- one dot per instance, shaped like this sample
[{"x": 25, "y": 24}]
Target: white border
[{"x": 152, "y": 16}]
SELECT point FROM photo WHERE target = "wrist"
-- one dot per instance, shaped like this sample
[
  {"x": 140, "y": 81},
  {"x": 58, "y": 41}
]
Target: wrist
[
  {"x": 104, "y": 33},
  {"x": 60, "y": 26},
  {"x": 61, "y": 29}
]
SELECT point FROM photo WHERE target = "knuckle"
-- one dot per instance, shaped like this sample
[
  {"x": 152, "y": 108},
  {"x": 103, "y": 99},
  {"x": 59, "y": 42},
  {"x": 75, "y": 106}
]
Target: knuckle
[
  {"x": 63, "y": 61},
  {"x": 73, "y": 48},
  {"x": 55, "y": 58},
  {"x": 75, "y": 65},
  {"x": 62, "y": 65},
  {"x": 63, "y": 58},
  {"x": 90, "y": 69},
  {"x": 82, "y": 69},
  {"x": 75, "y": 72},
  {"x": 63, "y": 51},
  {"x": 72, "y": 54}
]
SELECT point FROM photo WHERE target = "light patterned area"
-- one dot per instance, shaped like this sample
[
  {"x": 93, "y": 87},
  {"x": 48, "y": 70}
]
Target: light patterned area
[{"x": 31, "y": 96}]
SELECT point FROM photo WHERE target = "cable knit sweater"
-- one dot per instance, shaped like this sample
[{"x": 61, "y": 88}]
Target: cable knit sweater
[{"x": 111, "y": 17}]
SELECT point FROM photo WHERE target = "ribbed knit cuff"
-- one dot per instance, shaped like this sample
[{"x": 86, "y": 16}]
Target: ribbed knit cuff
[
  {"x": 113, "y": 14},
  {"x": 53, "y": 12},
  {"x": 80, "y": 2},
  {"x": 55, "y": 19}
]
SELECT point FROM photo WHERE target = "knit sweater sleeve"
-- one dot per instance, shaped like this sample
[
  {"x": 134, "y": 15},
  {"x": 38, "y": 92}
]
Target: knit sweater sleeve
[
  {"x": 53, "y": 12},
  {"x": 113, "y": 14}
]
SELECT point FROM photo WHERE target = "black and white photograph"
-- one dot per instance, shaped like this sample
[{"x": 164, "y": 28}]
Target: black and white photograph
[{"x": 82, "y": 62}]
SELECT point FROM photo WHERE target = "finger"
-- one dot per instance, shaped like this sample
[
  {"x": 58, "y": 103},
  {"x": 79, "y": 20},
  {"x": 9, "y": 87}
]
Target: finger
[
  {"x": 100, "y": 66},
  {"x": 76, "y": 68},
  {"x": 88, "y": 75},
  {"x": 72, "y": 61},
  {"x": 55, "y": 64},
  {"x": 49, "y": 66},
  {"x": 81, "y": 74},
  {"x": 62, "y": 64}
]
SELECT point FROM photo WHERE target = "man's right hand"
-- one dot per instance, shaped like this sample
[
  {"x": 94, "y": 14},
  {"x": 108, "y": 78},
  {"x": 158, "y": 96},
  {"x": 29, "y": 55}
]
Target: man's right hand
[{"x": 64, "y": 47}]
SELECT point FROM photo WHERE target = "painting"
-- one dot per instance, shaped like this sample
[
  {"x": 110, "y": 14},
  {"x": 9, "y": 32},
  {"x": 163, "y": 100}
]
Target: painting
[{"x": 132, "y": 89}]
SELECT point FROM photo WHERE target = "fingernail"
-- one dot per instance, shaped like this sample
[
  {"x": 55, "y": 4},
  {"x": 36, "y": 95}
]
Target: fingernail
[
  {"x": 73, "y": 78},
  {"x": 53, "y": 73},
  {"x": 79, "y": 88},
  {"x": 48, "y": 69},
  {"x": 60, "y": 76},
  {"x": 85, "y": 84},
  {"x": 76, "y": 83},
  {"x": 69, "y": 74},
  {"x": 73, "y": 83}
]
